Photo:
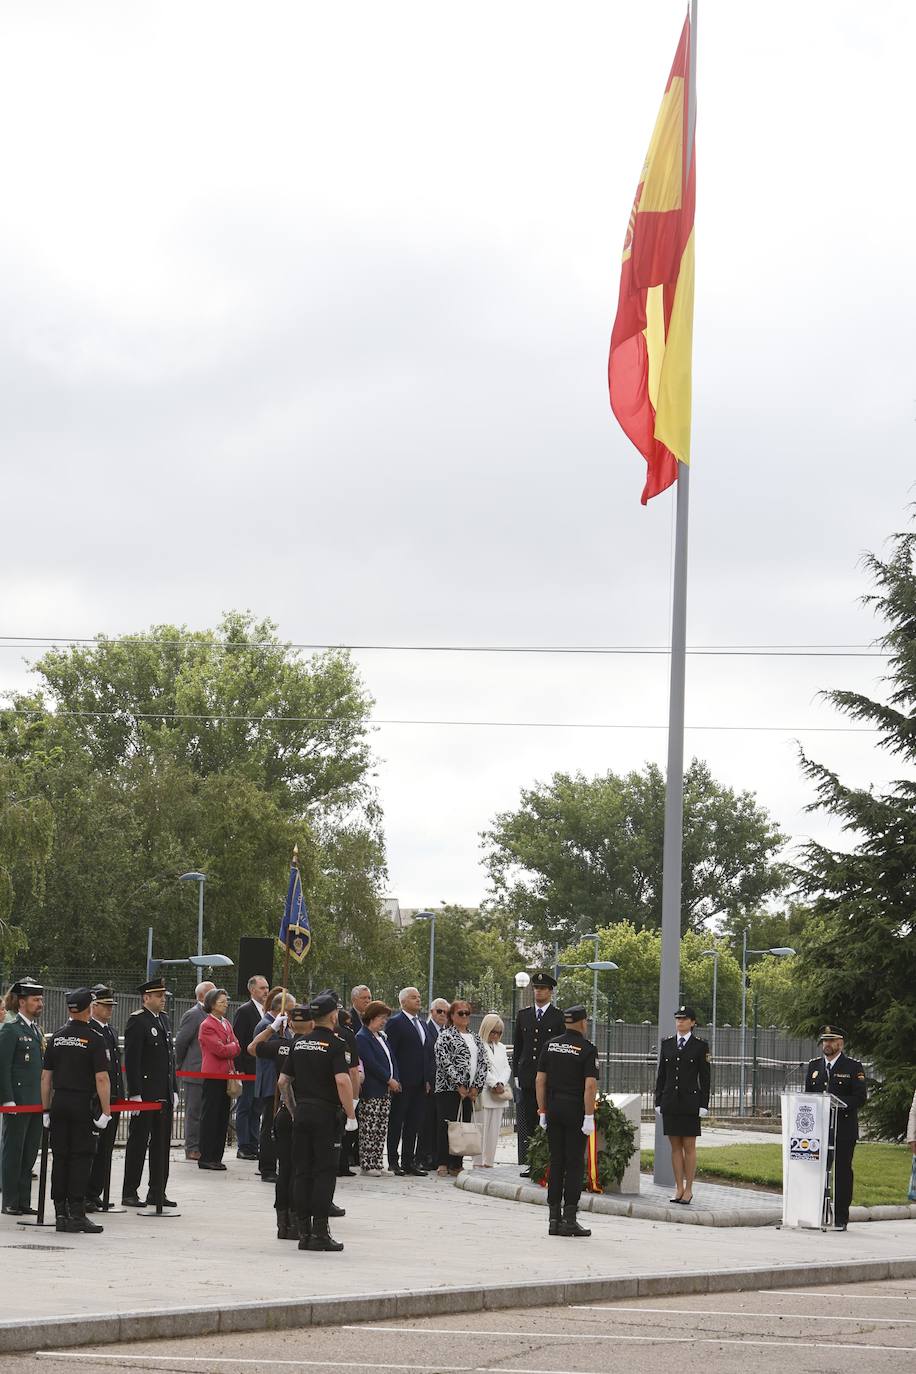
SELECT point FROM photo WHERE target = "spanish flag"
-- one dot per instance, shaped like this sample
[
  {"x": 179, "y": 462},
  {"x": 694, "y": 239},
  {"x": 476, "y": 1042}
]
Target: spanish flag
[{"x": 652, "y": 341}]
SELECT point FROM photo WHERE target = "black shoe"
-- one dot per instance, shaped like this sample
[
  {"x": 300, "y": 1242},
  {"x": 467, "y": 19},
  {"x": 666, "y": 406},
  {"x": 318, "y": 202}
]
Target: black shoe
[
  {"x": 569, "y": 1226},
  {"x": 321, "y": 1238},
  {"x": 345, "y": 1173},
  {"x": 28, "y": 1211},
  {"x": 94, "y": 1204},
  {"x": 246, "y": 1154},
  {"x": 166, "y": 1202},
  {"x": 335, "y": 1211},
  {"x": 209, "y": 1164},
  {"x": 675, "y": 1199},
  {"x": 82, "y": 1224},
  {"x": 397, "y": 1171},
  {"x": 553, "y": 1226},
  {"x": 524, "y": 1173},
  {"x": 840, "y": 1226},
  {"x": 269, "y": 1178},
  {"x": 60, "y": 1223},
  {"x": 131, "y": 1200},
  {"x": 11, "y": 1211},
  {"x": 415, "y": 1171}
]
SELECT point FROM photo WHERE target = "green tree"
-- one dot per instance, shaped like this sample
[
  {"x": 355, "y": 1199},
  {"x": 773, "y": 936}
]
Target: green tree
[
  {"x": 180, "y": 750},
  {"x": 782, "y": 926},
  {"x": 469, "y": 943},
  {"x": 857, "y": 956},
  {"x": 26, "y": 837},
  {"x": 580, "y": 853}
]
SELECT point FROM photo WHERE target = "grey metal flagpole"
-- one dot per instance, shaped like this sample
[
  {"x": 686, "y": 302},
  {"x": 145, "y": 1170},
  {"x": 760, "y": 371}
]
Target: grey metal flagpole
[{"x": 669, "y": 980}]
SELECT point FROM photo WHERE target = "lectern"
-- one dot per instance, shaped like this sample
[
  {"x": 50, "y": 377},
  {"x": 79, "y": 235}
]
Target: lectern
[{"x": 808, "y": 1138}]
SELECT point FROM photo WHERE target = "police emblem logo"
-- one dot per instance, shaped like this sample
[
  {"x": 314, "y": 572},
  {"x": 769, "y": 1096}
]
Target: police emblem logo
[
  {"x": 153, "y": 1031},
  {"x": 804, "y": 1119},
  {"x": 298, "y": 944},
  {"x": 804, "y": 1147}
]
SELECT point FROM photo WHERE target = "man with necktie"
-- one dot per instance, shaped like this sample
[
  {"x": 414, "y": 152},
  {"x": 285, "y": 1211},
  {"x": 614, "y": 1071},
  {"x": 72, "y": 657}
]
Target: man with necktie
[
  {"x": 149, "y": 1073},
  {"x": 100, "y": 1014},
  {"x": 534, "y": 1026},
  {"x": 682, "y": 1088},
  {"x": 21, "y": 1051},
  {"x": 406, "y": 1034},
  {"x": 835, "y": 1072}
]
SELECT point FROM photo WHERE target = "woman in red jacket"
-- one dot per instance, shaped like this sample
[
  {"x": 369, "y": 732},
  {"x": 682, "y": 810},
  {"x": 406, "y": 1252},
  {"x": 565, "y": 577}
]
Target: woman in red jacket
[{"x": 218, "y": 1049}]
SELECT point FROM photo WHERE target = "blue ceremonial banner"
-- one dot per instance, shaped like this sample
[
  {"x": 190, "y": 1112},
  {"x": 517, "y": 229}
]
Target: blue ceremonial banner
[{"x": 295, "y": 932}]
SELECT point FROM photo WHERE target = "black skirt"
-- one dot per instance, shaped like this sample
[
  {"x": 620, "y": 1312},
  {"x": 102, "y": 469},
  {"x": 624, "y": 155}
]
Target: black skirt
[{"x": 680, "y": 1123}]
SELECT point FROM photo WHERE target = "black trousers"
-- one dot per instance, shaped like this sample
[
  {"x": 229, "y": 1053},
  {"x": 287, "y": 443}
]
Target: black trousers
[
  {"x": 214, "y": 1120},
  {"x": 404, "y": 1125},
  {"x": 842, "y": 1180},
  {"x": 448, "y": 1106},
  {"x": 526, "y": 1119},
  {"x": 267, "y": 1149},
  {"x": 567, "y": 1151},
  {"x": 101, "y": 1161},
  {"x": 148, "y": 1131},
  {"x": 314, "y": 1159},
  {"x": 72, "y": 1147},
  {"x": 283, "y": 1143}
]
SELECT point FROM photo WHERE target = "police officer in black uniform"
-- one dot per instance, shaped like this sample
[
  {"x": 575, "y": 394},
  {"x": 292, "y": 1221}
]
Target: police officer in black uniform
[
  {"x": 315, "y": 1070},
  {"x": 149, "y": 1073},
  {"x": 346, "y": 1140},
  {"x": 74, "y": 1081},
  {"x": 567, "y": 1086},
  {"x": 300, "y": 1022},
  {"x": 835, "y": 1072},
  {"x": 100, "y": 1013},
  {"x": 533, "y": 1028},
  {"x": 682, "y": 1087}
]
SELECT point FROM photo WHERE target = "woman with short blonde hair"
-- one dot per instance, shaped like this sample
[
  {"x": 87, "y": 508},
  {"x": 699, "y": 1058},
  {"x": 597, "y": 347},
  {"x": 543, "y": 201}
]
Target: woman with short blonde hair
[{"x": 496, "y": 1094}]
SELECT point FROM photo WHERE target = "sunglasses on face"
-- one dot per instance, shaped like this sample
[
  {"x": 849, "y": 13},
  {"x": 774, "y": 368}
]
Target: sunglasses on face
[{"x": 461, "y": 1013}]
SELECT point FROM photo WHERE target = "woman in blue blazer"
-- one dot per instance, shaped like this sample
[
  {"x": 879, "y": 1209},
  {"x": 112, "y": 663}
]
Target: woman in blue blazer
[{"x": 381, "y": 1079}]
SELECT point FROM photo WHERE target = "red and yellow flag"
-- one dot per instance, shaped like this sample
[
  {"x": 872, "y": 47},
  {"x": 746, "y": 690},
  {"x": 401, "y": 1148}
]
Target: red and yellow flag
[{"x": 649, "y": 370}]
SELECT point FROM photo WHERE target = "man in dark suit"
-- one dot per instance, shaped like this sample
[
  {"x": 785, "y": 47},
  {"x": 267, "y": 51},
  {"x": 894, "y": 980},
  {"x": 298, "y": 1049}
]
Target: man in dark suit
[
  {"x": 437, "y": 1018},
  {"x": 406, "y": 1034},
  {"x": 247, "y": 1108},
  {"x": 149, "y": 1076},
  {"x": 534, "y": 1026},
  {"x": 188, "y": 1057},
  {"x": 835, "y": 1072},
  {"x": 100, "y": 1014}
]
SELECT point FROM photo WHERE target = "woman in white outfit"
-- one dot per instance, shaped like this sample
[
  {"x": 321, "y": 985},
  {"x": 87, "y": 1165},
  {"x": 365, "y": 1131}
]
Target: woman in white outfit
[{"x": 497, "y": 1093}]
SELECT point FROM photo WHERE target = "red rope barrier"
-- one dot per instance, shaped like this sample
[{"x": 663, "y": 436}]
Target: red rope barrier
[
  {"x": 32, "y": 1107},
  {"x": 125, "y": 1106}
]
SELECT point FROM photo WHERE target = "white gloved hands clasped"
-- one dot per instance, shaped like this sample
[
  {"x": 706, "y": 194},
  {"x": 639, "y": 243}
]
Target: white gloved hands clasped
[
  {"x": 588, "y": 1125},
  {"x": 352, "y": 1124},
  {"x": 101, "y": 1121},
  {"x": 542, "y": 1120}
]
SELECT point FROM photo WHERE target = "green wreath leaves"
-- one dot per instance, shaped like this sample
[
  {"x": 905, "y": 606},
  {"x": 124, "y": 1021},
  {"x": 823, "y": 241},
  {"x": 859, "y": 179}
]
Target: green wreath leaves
[{"x": 616, "y": 1146}]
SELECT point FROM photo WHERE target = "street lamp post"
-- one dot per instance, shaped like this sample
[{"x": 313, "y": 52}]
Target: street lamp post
[
  {"x": 197, "y": 878},
  {"x": 597, "y": 966},
  {"x": 431, "y": 917},
  {"x": 713, "y": 954},
  {"x": 780, "y": 952},
  {"x": 596, "y": 939}
]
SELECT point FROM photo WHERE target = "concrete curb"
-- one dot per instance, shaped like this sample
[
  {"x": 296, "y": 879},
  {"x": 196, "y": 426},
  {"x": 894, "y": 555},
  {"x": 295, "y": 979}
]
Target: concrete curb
[
  {"x": 615, "y": 1205},
  {"x": 104, "y": 1329}
]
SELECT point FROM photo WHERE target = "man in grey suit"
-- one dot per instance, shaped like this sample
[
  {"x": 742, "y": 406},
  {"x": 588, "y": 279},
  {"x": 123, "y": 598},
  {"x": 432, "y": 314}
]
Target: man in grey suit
[{"x": 187, "y": 1056}]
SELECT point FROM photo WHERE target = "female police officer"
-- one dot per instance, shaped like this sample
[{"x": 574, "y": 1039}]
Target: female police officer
[{"x": 682, "y": 1097}]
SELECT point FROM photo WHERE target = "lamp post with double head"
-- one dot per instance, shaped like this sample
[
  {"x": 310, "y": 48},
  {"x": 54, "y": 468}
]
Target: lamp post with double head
[
  {"x": 713, "y": 954},
  {"x": 779, "y": 952},
  {"x": 431, "y": 917}
]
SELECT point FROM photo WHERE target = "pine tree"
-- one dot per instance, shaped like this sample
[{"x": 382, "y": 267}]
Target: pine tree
[{"x": 857, "y": 958}]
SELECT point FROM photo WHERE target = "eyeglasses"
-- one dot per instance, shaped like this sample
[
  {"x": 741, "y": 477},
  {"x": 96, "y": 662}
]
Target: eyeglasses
[{"x": 461, "y": 1013}]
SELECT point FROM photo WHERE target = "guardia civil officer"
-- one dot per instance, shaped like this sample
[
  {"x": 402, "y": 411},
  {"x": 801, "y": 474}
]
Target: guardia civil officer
[
  {"x": 100, "y": 1014},
  {"x": 75, "y": 1093},
  {"x": 567, "y": 1086},
  {"x": 149, "y": 1074},
  {"x": 315, "y": 1071},
  {"x": 682, "y": 1096},
  {"x": 21, "y": 1048},
  {"x": 533, "y": 1028},
  {"x": 835, "y": 1072}
]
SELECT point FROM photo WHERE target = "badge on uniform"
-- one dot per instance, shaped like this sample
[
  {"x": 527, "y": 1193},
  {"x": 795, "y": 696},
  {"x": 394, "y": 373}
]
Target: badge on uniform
[
  {"x": 815, "y": 1074},
  {"x": 153, "y": 1030}
]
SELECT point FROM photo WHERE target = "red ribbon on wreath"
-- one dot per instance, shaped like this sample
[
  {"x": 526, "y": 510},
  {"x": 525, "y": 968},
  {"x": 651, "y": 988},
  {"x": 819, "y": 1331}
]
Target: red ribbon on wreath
[{"x": 591, "y": 1164}]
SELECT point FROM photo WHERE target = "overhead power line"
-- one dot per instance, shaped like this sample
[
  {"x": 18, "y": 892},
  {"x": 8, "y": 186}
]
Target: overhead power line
[{"x": 598, "y": 650}]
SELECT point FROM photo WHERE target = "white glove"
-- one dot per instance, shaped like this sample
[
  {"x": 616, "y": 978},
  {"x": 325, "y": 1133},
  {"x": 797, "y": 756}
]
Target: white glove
[
  {"x": 352, "y": 1124},
  {"x": 45, "y": 1118},
  {"x": 279, "y": 1022},
  {"x": 542, "y": 1119},
  {"x": 138, "y": 1098},
  {"x": 101, "y": 1121},
  {"x": 174, "y": 1102},
  {"x": 704, "y": 1111},
  {"x": 588, "y": 1125},
  {"x": 658, "y": 1111},
  {"x": 9, "y": 1104}
]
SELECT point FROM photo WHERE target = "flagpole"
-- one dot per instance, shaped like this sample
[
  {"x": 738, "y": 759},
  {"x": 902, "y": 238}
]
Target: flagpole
[
  {"x": 669, "y": 978},
  {"x": 285, "y": 982}
]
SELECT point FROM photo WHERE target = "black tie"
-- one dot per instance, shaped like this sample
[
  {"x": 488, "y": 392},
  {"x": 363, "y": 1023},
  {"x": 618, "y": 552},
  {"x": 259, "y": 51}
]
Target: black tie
[
  {"x": 540, "y": 1013},
  {"x": 681, "y": 1042}
]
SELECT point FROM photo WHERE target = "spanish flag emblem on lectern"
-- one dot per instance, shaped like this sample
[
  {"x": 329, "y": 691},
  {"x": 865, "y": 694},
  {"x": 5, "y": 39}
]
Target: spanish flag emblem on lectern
[{"x": 649, "y": 370}]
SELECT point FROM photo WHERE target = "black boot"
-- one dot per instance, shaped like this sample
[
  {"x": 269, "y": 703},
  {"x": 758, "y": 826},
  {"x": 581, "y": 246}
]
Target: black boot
[
  {"x": 61, "y": 1216},
  {"x": 335, "y": 1211},
  {"x": 569, "y": 1226},
  {"x": 79, "y": 1222},
  {"x": 303, "y": 1229},
  {"x": 321, "y": 1238},
  {"x": 553, "y": 1226},
  {"x": 286, "y": 1226}
]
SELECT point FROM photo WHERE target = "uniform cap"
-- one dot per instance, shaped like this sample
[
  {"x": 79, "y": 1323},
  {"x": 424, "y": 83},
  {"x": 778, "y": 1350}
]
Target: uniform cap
[
  {"x": 686, "y": 1011},
  {"x": 103, "y": 994},
  {"x": 323, "y": 1004},
  {"x": 301, "y": 1014},
  {"x": 78, "y": 999},
  {"x": 543, "y": 979},
  {"x": 27, "y": 987},
  {"x": 329, "y": 992},
  {"x": 154, "y": 985},
  {"x": 831, "y": 1033},
  {"x": 576, "y": 1013}
]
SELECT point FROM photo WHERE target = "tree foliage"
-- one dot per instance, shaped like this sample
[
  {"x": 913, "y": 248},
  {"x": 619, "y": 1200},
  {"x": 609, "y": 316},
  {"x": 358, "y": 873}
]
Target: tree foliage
[
  {"x": 580, "y": 853},
  {"x": 179, "y": 750},
  {"x": 470, "y": 942},
  {"x": 857, "y": 957}
]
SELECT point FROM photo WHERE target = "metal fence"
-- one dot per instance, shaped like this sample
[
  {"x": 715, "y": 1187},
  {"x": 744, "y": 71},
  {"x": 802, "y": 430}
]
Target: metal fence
[{"x": 627, "y": 1057}]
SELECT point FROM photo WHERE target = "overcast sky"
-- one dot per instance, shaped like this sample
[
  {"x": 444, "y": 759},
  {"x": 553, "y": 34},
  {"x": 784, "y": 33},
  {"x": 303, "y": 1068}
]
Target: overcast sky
[{"x": 306, "y": 309}]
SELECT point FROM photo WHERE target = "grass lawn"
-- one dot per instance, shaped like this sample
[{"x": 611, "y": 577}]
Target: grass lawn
[{"x": 882, "y": 1172}]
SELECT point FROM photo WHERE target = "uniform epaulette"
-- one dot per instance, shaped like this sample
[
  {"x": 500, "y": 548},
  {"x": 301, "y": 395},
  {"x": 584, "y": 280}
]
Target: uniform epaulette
[{"x": 138, "y": 1012}]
